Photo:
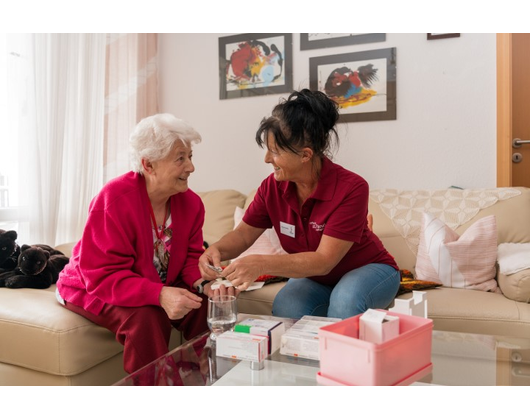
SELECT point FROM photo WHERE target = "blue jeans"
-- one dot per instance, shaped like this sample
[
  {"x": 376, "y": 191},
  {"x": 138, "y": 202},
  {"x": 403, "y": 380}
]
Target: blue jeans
[{"x": 373, "y": 286}]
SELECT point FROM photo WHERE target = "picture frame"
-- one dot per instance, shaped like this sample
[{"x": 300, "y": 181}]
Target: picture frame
[
  {"x": 363, "y": 83},
  {"x": 255, "y": 64},
  {"x": 314, "y": 41},
  {"x": 441, "y": 36}
]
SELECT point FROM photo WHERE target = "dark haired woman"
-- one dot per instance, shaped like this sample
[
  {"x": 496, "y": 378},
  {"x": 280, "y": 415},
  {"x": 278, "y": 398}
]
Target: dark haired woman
[{"x": 337, "y": 267}]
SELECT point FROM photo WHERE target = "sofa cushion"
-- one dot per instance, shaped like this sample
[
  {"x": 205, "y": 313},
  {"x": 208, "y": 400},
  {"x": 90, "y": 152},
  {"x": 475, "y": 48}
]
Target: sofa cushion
[
  {"x": 219, "y": 218},
  {"x": 513, "y": 257},
  {"x": 516, "y": 286},
  {"x": 511, "y": 216},
  {"x": 38, "y": 333},
  {"x": 259, "y": 302},
  {"x": 249, "y": 199},
  {"x": 461, "y": 310},
  {"x": 474, "y": 311},
  {"x": 466, "y": 261}
]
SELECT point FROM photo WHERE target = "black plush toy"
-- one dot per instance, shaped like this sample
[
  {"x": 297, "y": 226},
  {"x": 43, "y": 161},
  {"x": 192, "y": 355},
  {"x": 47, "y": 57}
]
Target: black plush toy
[
  {"x": 9, "y": 250},
  {"x": 38, "y": 268}
]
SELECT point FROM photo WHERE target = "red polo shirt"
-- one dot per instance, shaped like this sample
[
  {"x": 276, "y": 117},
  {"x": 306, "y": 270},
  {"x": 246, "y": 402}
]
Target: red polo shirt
[{"x": 337, "y": 208}]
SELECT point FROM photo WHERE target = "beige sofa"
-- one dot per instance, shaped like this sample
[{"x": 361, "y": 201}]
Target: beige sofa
[
  {"x": 42, "y": 343},
  {"x": 461, "y": 310}
]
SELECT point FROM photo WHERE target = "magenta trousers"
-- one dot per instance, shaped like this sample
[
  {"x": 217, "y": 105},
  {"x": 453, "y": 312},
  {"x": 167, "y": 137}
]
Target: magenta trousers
[{"x": 144, "y": 331}]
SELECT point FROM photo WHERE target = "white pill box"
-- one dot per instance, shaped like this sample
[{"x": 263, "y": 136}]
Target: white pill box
[
  {"x": 242, "y": 346},
  {"x": 377, "y": 326},
  {"x": 273, "y": 330},
  {"x": 301, "y": 340}
]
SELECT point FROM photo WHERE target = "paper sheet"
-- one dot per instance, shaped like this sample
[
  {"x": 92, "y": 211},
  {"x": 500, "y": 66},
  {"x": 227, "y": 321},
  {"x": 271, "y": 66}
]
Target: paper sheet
[{"x": 227, "y": 283}]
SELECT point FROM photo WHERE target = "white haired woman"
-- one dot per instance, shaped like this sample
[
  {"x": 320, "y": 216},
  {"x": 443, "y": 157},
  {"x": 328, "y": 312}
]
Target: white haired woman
[{"x": 130, "y": 272}]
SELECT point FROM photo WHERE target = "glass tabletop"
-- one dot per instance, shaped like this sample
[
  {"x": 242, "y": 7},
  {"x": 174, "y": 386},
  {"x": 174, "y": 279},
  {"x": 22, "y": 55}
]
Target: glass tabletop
[
  {"x": 195, "y": 363},
  {"x": 458, "y": 359}
]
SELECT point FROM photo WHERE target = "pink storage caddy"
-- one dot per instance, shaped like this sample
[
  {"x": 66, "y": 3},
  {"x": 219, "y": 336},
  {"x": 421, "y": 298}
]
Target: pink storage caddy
[{"x": 346, "y": 360}]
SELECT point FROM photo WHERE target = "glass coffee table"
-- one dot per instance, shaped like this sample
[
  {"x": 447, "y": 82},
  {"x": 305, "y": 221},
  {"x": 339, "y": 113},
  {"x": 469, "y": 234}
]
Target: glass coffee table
[{"x": 458, "y": 359}]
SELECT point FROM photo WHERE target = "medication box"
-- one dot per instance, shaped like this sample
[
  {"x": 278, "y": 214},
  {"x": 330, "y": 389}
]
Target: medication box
[
  {"x": 416, "y": 305},
  {"x": 347, "y": 360},
  {"x": 378, "y": 327},
  {"x": 242, "y": 346},
  {"x": 301, "y": 340},
  {"x": 273, "y": 330}
]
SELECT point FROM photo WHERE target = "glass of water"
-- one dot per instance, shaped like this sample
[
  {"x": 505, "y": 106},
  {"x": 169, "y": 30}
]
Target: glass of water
[{"x": 222, "y": 314}]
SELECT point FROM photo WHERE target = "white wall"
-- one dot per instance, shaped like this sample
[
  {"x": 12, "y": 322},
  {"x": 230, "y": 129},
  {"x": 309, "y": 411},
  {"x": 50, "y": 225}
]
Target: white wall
[{"x": 445, "y": 132}]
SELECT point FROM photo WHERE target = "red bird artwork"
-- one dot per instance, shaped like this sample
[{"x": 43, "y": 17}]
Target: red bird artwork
[{"x": 350, "y": 87}]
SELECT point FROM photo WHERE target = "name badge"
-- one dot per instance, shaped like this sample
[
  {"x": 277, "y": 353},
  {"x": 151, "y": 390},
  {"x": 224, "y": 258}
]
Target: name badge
[{"x": 287, "y": 229}]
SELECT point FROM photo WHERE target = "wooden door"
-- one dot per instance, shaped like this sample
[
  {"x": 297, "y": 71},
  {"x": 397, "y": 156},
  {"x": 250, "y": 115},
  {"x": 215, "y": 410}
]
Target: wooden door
[{"x": 513, "y": 108}]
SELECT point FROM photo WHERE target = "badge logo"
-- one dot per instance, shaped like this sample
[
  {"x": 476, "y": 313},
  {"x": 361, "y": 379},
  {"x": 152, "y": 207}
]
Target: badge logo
[{"x": 317, "y": 227}]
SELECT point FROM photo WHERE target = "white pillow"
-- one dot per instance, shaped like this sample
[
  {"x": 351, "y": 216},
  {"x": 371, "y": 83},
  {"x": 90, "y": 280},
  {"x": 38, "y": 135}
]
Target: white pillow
[
  {"x": 513, "y": 257},
  {"x": 267, "y": 244},
  {"x": 466, "y": 261}
]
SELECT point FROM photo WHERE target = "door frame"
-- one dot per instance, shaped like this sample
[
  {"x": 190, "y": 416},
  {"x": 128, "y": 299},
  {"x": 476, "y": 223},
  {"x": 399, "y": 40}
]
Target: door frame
[{"x": 504, "y": 110}]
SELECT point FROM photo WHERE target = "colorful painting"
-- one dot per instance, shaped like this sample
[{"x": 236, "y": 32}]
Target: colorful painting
[
  {"x": 255, "y": 64},
  {"x": 312, "y": 41},
  {"x": 363, "y": 84}
]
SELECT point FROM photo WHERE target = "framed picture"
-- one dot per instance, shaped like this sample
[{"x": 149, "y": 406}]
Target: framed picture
[
  {"x": 312, "y": 41},
  {"x": 441, "y": 36},
  {"x": 255, "y": 64},
  {"x": 363, "y": 84}
]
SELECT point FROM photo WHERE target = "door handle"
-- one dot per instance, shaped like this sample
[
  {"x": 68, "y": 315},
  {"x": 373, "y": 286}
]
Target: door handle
[{"x": 516, "y": 143}]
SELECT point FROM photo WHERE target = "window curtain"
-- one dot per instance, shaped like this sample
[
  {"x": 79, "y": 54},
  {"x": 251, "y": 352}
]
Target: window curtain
[
  {"x": 79, "y": 95},
  {"x": 62, "y": 133},
  {"x": 131, "y": 94}
]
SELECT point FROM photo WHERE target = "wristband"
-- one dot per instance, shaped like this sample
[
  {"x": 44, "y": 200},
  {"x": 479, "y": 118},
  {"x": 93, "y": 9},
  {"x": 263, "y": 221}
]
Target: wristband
[{"x": 200, "y": 287}]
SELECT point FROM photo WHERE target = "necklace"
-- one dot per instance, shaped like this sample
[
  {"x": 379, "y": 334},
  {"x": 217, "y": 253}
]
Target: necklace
[{"x": 163, "y": 226}]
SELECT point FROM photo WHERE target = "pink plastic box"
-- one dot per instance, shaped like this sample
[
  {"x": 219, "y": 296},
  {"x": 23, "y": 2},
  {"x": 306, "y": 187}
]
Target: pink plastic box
[{"x": 347, "y": 360}]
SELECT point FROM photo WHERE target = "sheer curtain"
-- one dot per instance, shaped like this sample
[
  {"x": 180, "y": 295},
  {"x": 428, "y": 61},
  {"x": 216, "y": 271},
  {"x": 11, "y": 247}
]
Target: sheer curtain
[
  {"x": 130, "y": 96},
  {"x": 75, "y": 99},
  {"x": 61, "y": 82}
]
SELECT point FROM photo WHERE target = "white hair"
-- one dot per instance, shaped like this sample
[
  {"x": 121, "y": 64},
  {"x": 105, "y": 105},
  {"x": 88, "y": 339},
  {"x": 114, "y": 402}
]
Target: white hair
[{"x": 153, "y": 138}]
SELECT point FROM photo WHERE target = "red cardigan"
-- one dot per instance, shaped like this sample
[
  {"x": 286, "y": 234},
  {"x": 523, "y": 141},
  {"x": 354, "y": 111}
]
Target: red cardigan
[{"x": 113, "y": 261}]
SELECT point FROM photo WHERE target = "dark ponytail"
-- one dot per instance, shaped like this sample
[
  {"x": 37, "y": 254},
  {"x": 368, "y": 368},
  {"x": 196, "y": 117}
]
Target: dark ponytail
[{"x": 306, "y": 119}]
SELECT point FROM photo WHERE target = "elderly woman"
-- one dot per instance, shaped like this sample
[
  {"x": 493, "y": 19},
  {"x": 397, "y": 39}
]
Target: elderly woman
[
  {"x": 135, "y": 269},
  {"x": 336, "y": 265}
]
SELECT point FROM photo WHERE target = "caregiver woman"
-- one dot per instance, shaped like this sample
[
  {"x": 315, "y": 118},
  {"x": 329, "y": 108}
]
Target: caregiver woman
[{"x": 337, "y": 267}]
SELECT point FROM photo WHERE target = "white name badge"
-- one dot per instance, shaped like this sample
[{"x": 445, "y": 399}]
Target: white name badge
[{"x": 287, "y": 229}]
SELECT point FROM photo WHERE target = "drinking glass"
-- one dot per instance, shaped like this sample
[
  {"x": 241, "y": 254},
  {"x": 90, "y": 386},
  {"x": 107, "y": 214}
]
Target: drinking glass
[{"x": 222, "y": 314}]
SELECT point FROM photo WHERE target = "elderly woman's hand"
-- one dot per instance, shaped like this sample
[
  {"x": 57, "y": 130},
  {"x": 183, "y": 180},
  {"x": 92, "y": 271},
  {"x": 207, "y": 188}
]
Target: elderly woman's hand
[{"x": 177, "y": 302}]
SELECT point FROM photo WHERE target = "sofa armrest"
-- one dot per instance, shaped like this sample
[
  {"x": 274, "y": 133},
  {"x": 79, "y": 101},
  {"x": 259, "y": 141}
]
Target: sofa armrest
[{"x": 66, "y": 248}]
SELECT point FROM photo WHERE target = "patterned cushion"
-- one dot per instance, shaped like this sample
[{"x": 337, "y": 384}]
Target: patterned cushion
[
  {"x": 466, "y": 261},
  {"x": 453, "y": 206},
  {"x": 409, "y": 283}
]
